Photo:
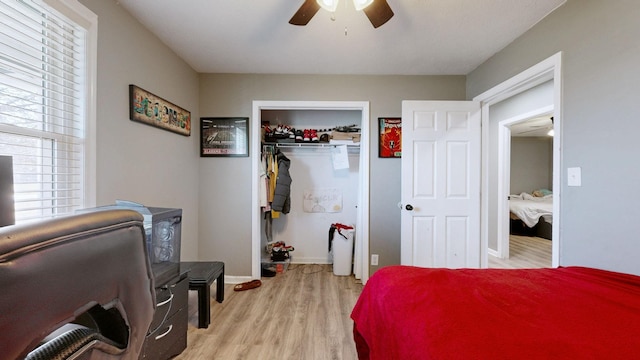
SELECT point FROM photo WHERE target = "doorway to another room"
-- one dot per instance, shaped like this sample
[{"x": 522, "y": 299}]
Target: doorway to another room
[
  {"x": 525, "y": 155},
  {"x": 535, "y": 92}
]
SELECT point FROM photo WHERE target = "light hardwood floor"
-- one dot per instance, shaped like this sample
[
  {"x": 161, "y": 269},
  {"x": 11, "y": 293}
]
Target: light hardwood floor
[
  {"x": 524, "y": 252},
  {"x": 301, "y": 314}
]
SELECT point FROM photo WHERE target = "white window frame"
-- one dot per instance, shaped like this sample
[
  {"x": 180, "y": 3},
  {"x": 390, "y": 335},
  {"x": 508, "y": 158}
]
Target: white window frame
[{"x": 86, "y": 19}]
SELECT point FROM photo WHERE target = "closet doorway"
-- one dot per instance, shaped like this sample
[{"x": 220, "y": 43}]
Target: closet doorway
[{"x": 311, "y": 111}]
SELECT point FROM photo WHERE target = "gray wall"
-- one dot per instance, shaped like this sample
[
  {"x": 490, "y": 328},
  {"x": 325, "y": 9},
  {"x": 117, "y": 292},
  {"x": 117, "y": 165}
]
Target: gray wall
[
  {"x": 600, "y": 72},
  {"x": 160, "y": 168},
  {"x": 225, "y": 192},
  {"x": 136, "y": 161},
  {"x": 531, "y": 164}
]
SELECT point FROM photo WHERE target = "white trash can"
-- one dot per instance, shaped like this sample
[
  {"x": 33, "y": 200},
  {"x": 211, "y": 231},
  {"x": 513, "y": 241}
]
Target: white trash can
[{"x": 342, "y": 251}]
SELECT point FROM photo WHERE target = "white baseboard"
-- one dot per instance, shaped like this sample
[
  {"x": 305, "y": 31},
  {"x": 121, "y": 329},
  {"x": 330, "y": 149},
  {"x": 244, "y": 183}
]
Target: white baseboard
[
  {"x": 310, "y": 260},
  {"x": 236, "y": 279},
  {"x": 231, "y": 279}
]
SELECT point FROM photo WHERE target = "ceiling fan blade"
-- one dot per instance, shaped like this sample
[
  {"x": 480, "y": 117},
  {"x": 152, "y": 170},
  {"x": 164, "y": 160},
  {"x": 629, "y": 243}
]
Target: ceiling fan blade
[
  {"x": 305, "y": 13},
  {"x": 378, "y": 13}
]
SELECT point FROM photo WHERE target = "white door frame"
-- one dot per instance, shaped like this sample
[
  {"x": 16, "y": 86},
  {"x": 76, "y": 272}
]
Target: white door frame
[
  {"x": 504, "y": 175},
  {"x": 548, "y": 69},
  {"x": 361, "y": 258}
]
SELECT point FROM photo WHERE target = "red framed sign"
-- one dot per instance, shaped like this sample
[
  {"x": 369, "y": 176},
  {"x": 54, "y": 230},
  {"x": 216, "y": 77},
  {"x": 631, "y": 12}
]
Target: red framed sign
[{"x": 390, "y": 142}]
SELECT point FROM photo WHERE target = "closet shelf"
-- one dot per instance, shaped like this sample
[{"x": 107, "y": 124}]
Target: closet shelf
[{"x": 311, "y": 145}]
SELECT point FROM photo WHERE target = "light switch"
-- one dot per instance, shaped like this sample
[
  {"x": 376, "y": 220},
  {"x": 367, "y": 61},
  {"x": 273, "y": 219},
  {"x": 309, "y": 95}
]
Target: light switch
[{"x": 574, "y": 176}]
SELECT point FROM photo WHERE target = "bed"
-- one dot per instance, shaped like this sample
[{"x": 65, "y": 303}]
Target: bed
[
  {"x": 407, "y": 313},
  {"x": 531, "y": 215}
]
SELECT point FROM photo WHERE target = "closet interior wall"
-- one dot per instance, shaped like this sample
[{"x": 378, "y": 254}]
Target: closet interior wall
[{"x": 312, "y": 172}]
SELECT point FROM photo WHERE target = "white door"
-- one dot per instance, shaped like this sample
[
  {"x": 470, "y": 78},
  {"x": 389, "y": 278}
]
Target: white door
[{"x": 440, "y": 222}]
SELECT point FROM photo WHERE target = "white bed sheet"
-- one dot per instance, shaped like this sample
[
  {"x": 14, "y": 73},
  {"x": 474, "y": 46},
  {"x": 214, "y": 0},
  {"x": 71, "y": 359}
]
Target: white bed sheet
[{"x": 530, "y": 209}]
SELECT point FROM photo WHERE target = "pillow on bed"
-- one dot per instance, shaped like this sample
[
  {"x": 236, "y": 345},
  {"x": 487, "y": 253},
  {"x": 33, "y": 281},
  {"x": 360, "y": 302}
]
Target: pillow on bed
[{"x": 541, "y": 192}]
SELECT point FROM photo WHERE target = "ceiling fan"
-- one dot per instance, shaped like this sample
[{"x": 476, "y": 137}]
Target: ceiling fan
[{"x": 378, "y": 11}]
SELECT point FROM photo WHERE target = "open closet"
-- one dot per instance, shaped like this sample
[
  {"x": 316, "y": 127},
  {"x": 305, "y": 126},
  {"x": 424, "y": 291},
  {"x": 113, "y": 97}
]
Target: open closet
[{"x": 329, "y": 179}]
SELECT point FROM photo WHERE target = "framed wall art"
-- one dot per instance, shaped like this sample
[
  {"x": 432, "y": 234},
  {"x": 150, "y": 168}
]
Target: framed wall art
[
  {"x": 153, "y": 110},
  {"x": 224, "y": 136},
  {"x": 390, "y": 141}
]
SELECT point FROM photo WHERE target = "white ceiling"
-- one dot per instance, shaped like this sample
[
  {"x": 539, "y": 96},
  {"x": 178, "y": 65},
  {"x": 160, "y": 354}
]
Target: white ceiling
[{"x": 425, "y": 37}]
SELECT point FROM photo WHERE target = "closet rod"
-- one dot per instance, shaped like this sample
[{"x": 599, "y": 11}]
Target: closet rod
[{"x": 303, "y": 145}]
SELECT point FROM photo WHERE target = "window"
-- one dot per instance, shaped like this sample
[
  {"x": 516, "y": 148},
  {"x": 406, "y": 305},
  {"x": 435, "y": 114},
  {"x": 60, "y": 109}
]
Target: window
[{"x": 46, "y": 73}]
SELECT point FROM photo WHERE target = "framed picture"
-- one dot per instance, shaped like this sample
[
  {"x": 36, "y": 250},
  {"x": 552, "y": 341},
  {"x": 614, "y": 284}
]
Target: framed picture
[
  {"x": 152, "y": 110},
  {"x": 390, "y": 142},
  {"x": 224, "y": 136}
]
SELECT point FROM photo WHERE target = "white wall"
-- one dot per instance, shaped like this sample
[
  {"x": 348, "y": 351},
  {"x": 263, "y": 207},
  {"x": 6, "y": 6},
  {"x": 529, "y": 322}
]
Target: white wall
[
  {"x": 136, "y": 161},
  {"x": 600, "y": 127},
  {"x": 311, "y": 169}
]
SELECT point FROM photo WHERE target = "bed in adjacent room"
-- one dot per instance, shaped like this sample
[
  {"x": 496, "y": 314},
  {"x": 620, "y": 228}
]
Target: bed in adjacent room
[
  {"x": 531, "y": 214},
  {"x": 561, "y": 313}
]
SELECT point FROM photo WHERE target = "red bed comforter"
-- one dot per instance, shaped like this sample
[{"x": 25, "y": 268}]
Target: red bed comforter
[{"x": 563, "y": 313}]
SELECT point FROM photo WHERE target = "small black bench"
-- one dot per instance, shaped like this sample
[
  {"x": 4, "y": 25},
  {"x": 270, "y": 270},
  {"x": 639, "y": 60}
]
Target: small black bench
[{"x": 201, "y": 276}]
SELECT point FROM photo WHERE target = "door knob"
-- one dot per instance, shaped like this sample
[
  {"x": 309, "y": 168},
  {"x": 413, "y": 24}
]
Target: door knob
[{"x": 409, "y": 207}]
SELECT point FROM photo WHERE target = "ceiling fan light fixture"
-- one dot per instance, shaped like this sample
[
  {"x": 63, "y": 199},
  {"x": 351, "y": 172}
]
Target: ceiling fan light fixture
[
  {"x": 329, "y": 5},
  {"x": 377, "y": 11},
  {"x": 361, "y": 4}
]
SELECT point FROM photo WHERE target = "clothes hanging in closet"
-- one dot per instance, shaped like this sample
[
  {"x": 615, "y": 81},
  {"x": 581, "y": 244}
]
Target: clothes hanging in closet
[
  {"x": 273, "y": 177},
  {"x": 282, "y": 195},
  {"x": 263, "y": 189},
  {"x": 275, "y": 187},
  {"x": 276, "y": 181}
]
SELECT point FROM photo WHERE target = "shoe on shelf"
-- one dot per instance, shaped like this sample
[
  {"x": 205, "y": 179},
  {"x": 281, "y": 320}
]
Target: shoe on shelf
[
  {"x": 299, "y": 136},
  {"x": 307, "y": 135},
  {"x": 348, "y": 128},
  {"x": 291, "y": 132},
  {"x": 314, "y": 135},
  {"x": 285, "y": 130},
  {"x": 324, "y": 138}
]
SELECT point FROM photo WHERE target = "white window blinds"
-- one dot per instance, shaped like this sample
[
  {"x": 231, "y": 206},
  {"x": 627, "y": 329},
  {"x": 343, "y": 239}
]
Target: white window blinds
[{"x": 42, "y": 100}]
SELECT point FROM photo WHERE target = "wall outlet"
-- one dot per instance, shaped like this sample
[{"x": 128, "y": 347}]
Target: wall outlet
[{"x": 374, "y": 259}]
